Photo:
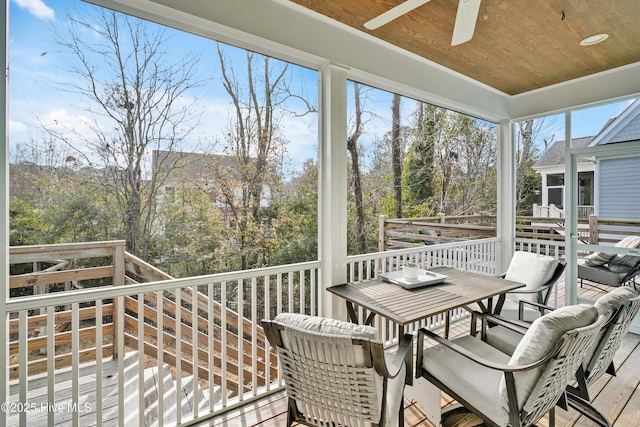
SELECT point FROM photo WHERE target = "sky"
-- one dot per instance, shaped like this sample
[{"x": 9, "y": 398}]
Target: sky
[
  {"x": 39, "y": 68},
  {"x": 38, "y": 65}
]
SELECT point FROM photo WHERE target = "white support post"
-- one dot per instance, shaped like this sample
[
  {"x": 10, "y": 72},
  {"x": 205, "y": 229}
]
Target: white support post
[
  {"x": 4, "y": 212},
  {"x": 332, "y": 238},
  {"x": 506, "y": 223},
  {"x": 571, "y": 217}
]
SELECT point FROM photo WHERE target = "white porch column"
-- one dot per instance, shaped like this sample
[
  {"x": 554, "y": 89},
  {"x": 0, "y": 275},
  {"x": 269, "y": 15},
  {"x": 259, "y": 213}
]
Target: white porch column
[
  {"x": 571, "y": 217},
  {"x": 506, "y": 225},
  {"x": 332, "y": 238},
  {"x": 4, "y": 229}
]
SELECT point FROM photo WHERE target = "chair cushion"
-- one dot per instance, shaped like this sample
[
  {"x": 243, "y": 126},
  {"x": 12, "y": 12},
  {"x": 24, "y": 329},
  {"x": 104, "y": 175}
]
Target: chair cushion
[
  {"x": 539, "y": 339},
  {"x": 326, "y": 326},
  {"x": 474, "y": 383},
  {"x": 511, "y": 310},
  {"x": 504, "y": 339},
  {"x": 533, "y": 270},
  {"x": 611, "y": 301}
]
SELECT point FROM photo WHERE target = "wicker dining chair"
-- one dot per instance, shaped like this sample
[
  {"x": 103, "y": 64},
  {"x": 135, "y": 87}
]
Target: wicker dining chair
[
  {"x": 337, "y": 373},
  {"x": 514, "y": 390},
  {"x": 619, "y": 307}
]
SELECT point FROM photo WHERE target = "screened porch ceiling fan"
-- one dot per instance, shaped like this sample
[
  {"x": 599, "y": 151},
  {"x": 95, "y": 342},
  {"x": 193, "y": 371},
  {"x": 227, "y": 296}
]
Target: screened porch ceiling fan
[{"x": 463, "y": 29}]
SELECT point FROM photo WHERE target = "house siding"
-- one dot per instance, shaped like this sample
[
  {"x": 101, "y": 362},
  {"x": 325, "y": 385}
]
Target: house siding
[{"x": 619, "y": 195}]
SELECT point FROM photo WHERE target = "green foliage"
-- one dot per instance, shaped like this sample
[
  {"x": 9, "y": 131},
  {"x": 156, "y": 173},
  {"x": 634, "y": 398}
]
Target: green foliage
[
  {"x": 27, "y": 224},
  {"x": 297, "y": 219},
  {"x": 419, "y": 167},
  {"x": 186, "y": 241}
]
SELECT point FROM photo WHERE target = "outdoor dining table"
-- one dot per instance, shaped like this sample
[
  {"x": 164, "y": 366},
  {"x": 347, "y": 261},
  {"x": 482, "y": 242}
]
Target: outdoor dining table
[{"x": 405, "y": 306}]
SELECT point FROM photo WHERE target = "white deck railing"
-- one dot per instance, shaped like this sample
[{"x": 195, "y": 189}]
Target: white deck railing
[
  {"x": 552, "y": 211},
  {"x": 164, "y": 332}
]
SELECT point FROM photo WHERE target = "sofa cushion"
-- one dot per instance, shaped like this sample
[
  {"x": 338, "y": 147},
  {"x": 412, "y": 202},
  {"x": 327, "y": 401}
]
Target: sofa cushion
[
  {"x": 617, "y": 263},
  {"x": 533, "y": 270},
  {"x": 598, "y": 258},
  {"x": 624, "y": 263},
  {"x": 539, "y": 339}
]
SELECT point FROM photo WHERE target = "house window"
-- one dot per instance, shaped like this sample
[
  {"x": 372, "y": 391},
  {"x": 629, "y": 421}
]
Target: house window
[{"x": 555, "y": 180}]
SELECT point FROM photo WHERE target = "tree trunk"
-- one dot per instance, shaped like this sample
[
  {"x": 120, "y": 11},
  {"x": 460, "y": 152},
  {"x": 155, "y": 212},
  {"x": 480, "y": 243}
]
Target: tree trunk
[
  {"x": 356, "y": 178},
  {"x": 396, "y": 154}
]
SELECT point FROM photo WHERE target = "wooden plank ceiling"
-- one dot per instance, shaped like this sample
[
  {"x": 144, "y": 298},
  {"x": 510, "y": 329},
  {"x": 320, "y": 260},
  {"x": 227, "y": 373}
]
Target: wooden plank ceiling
[{"x": 518, "y": 45}]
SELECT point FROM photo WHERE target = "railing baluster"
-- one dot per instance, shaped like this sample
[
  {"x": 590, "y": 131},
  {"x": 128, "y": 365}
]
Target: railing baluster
[
  {"x": 23, "y": 368},
  {"x": 75, "y": 362},
  {"x": 303, "y": 293},
  {"x": 279, "y": 294},
  {"x": 254, "y": 335},
  {"x": 313, "y": 292},
  {"x": 160, "y": 358},
  {"x": 267, "y": 315},
  {"x": 178, "y": 333},
  {"x": 240, "y": 340},
  {"x": 118, "y": 318},
  {"x": 51, "y": 363},
  {"x": 223, "y": 328},
  {"x": 290, "y": 291},
  {"x": 99, "y": 355},
  {"x": 194, "y": 348},
  {"x": 211, "y": 342},
  {"x": 140, "y": 373}
]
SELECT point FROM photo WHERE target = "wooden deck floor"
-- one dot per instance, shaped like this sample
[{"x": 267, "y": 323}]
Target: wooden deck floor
[{"x": 616, "y": 397}]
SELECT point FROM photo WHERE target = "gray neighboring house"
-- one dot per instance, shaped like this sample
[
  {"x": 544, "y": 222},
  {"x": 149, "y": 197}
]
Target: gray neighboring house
[
  {"x": 608, "y": 187},
  {"x": 204, "y": 170}
]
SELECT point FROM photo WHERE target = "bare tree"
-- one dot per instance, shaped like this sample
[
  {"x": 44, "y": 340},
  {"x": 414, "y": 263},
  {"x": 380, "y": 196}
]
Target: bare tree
[
  {"x": 356, "y": 176},
  {"x": 136, "y": 100},
  {"x": 254, "y": 146}
]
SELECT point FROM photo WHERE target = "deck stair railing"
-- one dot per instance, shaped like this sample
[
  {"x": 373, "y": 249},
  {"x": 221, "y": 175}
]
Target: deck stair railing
[
  {"x": 190, "y": 300},
  {"x": 187, "y": 325},
  {"x": 63, "y": 276}
]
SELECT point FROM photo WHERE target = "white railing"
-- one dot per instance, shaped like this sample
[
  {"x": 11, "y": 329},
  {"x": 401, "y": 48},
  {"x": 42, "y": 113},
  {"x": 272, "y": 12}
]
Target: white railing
[
  {"x": 552, "y": 211},
  {"x": 478, "y": 256},
  {"x": 165, "y": 332}
]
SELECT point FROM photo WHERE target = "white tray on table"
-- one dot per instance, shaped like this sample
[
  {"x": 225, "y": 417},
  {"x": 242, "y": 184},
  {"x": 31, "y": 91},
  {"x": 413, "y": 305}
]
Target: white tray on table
[{"x": 425, "y": 278}]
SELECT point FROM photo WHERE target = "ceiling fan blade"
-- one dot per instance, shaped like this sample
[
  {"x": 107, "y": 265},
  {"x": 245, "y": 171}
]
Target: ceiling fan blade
[
  {"x": 466, "y": 18},
  {"x": 393, "y": 13}
]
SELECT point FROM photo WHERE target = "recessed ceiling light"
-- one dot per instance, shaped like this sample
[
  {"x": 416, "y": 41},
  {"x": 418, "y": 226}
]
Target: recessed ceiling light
[{"x": 594, "y": 39}]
